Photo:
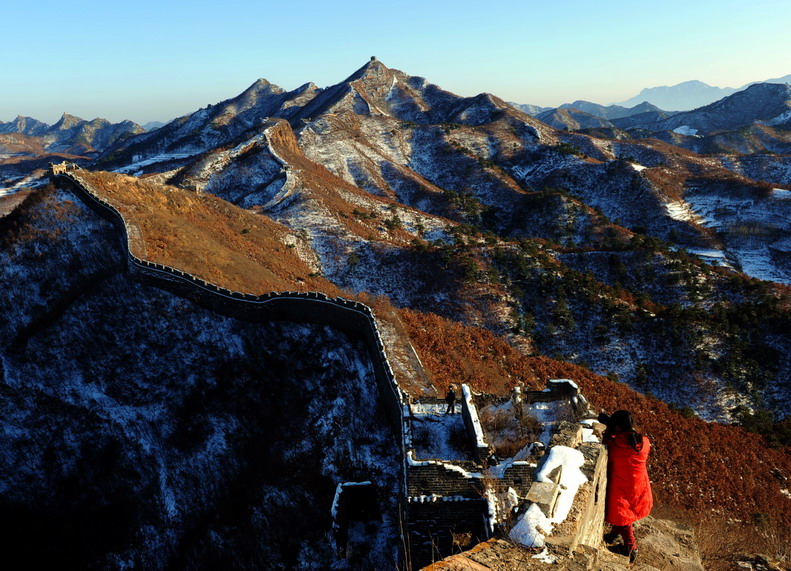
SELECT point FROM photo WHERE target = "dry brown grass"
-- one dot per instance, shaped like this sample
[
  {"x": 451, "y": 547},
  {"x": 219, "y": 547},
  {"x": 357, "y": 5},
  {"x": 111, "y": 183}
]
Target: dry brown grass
[
  {"x": 208, "y": 237},
  {"x": 455, "y": 354},
  {"x": 714, "y": 471},
  {"x": 336, "y": 196}
]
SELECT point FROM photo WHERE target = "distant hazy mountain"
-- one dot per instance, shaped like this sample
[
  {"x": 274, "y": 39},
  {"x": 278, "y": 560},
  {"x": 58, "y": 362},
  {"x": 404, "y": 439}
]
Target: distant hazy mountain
[
  {"x": 686, "y": 95},
  {"x": 764, "y": 103},
  {"x": 689, "y": 94},
  {"x": 587, "y": 115}
]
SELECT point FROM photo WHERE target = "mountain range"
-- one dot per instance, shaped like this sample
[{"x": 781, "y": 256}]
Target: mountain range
[
  {"x": 754, "y": 119},
  {"x": 690, "y": 94},
  {"x": 497, "y": 248},
  {"x": 70, "y": 135}
]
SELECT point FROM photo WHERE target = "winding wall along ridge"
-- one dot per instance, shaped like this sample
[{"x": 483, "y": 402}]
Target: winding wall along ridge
[{"x": 350, "y": 316}]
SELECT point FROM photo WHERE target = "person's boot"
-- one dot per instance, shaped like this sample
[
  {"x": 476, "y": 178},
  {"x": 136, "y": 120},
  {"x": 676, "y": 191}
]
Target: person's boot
[{"x": 632, "y": 556}]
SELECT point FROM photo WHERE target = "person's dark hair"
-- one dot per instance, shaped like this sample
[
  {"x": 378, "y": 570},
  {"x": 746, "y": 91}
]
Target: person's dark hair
[{"x": 623, "y": 420}]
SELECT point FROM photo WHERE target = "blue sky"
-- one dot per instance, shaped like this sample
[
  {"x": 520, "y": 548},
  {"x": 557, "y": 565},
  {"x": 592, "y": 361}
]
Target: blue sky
[{"x": 156, "y": 60}]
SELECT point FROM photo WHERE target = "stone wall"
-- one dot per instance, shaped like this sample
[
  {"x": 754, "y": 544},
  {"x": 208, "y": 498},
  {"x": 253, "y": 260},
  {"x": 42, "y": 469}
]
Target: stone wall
[
  {"x": 351, "y": 317},
  {"x": 442, "y": 526},
  {"x": 444, "y": 508}
]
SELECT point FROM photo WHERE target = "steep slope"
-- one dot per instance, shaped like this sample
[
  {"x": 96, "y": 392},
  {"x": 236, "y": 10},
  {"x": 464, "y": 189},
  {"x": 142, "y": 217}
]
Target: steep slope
[
  {"x": 420, "y": 202},
  {"x": 139, "y": 427},
  {"x": 182, "y": 229},
  {"x": 495, "y": 235}
]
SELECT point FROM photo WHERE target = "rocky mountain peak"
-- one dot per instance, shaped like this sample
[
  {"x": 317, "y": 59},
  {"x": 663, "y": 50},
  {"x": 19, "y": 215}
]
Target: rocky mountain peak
[
  {"x": 306, "y": 88},
  {"x": 66, "y": 121},
  {"x": 24, "y": 125},
  {"x": 372, "y": 70},
  {"x": 261, "y": 87}
]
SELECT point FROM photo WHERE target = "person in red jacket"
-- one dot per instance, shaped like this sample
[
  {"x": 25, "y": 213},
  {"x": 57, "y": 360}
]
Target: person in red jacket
[{"x": 629, "y": 495}]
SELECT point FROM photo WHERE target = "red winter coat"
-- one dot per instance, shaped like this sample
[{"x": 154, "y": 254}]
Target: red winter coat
[{"x": 628, "y": 488}]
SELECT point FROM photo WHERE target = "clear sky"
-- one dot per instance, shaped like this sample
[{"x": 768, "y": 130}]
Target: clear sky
[{"x": 159, "y": 59}]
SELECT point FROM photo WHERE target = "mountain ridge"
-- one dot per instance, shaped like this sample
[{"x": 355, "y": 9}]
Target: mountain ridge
[{"x": 491, "y": 234}]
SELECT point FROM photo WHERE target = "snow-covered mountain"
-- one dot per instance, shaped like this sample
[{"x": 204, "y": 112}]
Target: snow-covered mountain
[
  {"x": 611, "y": 111},
  {"x": 756, "y": 119},
  {"x": 764, "y": 103},
  {"x": 621, "y": 256},
  {"x": 385, "y": 146}
]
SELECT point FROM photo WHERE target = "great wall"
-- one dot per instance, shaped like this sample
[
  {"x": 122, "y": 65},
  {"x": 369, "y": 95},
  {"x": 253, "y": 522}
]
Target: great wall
[{"x": 442, "y": 500}]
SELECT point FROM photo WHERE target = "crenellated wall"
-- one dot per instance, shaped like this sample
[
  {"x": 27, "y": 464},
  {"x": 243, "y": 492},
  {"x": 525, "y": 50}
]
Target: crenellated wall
[
  {"x": 351, "y": 317},
  {"x": 443, "y": 503}
]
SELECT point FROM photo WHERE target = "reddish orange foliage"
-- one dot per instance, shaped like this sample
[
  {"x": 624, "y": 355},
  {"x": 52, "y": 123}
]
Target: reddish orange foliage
[
  {"x": 694, "y": 465},
  {"x": 454, "y": 354}
]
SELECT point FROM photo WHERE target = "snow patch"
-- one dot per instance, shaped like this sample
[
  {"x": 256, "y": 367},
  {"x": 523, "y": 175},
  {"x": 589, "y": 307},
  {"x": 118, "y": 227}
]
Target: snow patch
[
  {"x": 139, "y": 162},
  {"x": 476, "y": 422},
  {"x": 533, "y": 525},
  {"x": 686, "y": 130},
  {"x": 780, "y": 119},
  {"x": 681, "y": 211},
  {"x": 545, "y": 557}
]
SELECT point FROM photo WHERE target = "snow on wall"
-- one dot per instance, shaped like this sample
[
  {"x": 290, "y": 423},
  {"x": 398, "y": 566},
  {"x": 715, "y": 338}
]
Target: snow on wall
[
  {"x": 532, "y": 526},
  {"x": 480, "y": 441}
]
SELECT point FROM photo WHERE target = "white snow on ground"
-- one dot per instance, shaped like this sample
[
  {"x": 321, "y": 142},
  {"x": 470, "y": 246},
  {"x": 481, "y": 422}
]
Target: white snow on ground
[
  {"x": 724, "y": 213},
  {"x": 786, "y": 493},
  {"x": 637, "y": 167},
  {"x": 681, "y": 210},
  {"x": 533, "y": 525},
  {"x": 759, "y": 263},
  {"x": 712, "y": 256},
  {"x": 782, "y": 118},
  {"x": 475, "y": 421},
  {"x": 548, "y": 414},
  {"x": 26, "y": 182},
  {"x": 571, "y": 477},
  {"x": 432, "y": 431},
  {"x": 686, "y": 130},
  {"x": 135, "y": 167},
  {"x": 545, "y": 557}
]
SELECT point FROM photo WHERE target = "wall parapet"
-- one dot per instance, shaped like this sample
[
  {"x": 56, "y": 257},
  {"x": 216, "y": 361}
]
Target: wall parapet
[{"x": 349, "y": 316}]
